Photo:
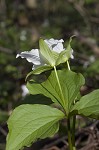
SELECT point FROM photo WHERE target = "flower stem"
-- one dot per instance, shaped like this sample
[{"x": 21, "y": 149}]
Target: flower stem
[
  {"x": 69, "y": 134},
  {"x": 59, "y": 85},
  {"x": 68, "y": 65},
  {"x": 73, "y": 132}
]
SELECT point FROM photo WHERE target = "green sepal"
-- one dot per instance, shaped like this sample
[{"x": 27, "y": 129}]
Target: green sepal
[
  {"x": 49, "y": 55},
  {"x": 39, "y": 70},
  {"x": 66, "y": 54}
]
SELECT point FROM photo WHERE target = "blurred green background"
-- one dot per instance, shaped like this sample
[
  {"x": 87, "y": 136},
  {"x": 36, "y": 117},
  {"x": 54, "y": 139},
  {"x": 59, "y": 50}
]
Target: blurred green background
[{"x": 23, "y": 22}]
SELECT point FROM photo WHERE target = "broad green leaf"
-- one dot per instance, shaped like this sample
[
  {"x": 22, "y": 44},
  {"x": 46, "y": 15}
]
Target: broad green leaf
[
  {"x": 88, "y": 105},
  {"x": 30, "y": 122},
  {"x": 70, "y": 84},
  {"x": 47, "y": 53}
]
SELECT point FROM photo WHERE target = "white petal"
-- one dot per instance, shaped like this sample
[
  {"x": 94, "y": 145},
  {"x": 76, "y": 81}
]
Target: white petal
[
  {"x": 31, "y": 56},
  {"x": 58, "y": 48},
  {"x": 55, "y": 45},
  {"x": 36, "y": 66},
  {"x": 33, "y": 67}
]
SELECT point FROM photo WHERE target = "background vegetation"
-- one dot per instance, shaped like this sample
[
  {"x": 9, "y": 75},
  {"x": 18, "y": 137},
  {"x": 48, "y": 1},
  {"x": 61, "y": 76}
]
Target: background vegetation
[{"x": 23, "y": 22}]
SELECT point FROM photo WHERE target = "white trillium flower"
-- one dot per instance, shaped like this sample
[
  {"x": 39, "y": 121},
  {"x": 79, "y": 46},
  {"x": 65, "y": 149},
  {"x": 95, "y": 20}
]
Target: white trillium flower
[{"x": 34, "y": 56}]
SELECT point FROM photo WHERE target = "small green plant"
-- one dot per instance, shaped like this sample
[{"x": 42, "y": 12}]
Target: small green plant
[{"x": 51, "y": 76}]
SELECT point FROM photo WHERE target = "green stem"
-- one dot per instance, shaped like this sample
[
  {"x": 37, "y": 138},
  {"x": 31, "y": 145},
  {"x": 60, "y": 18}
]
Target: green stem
[
  {"x": 68, "y": 65},
  {"x": 73, "y": 132},
  {"x": 59, "y": 85},
  {"x": 71, "y": 138},
  {"x": 69, "y": 134}
]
